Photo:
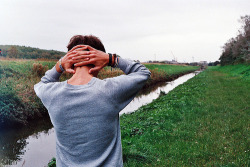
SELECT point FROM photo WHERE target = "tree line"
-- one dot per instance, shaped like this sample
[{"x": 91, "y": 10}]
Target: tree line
[
  {"x": 237, "y": 50},
  {"x": 26, "y": 52}
]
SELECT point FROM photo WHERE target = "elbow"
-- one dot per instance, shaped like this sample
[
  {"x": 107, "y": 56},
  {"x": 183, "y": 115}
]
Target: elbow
[
  {"x": 146, "y": 75},
  {"x": 37, "y": 89}
]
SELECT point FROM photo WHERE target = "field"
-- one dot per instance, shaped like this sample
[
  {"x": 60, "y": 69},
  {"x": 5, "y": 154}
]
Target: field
[
  {"x": 19, "y": 104},
  {"x": 204, "y": 122}
]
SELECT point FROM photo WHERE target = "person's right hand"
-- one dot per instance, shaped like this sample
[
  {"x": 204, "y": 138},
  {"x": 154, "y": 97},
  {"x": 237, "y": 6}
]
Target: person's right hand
[{"x": 96, "y": 57}]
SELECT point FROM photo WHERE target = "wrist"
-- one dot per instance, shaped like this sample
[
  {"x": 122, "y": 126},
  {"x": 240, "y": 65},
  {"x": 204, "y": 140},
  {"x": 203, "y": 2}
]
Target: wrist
[
  {"x": 60, "y": 65},
  {"x": 110, "y": 59},
  {"x": 58, "y": 68},
  {"x": 107, "y": 59},
  {"x": 115, "y": 60}
]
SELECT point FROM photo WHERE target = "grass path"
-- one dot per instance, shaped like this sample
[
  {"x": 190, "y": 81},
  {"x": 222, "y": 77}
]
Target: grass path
[{"x": 204, "y": 122}]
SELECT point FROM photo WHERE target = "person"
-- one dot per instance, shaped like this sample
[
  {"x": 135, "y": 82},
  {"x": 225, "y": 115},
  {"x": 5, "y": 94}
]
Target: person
[{"x": 84, "y": 110}]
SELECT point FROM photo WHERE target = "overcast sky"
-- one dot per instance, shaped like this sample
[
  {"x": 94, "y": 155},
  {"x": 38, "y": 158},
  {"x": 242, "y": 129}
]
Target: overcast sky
[{"x": 136, "y": 29}]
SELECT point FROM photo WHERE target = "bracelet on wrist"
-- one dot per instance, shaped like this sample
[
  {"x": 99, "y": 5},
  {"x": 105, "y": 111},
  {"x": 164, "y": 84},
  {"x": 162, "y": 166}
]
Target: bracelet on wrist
[
  {"x": 115, "y": 63},
  {"x": 110, "y": 59},
  {"x": 60, "y": 65}
]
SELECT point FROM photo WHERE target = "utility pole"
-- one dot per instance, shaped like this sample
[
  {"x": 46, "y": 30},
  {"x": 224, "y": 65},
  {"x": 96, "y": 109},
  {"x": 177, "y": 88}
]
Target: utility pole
[
  {"x": 173, "y": 55},
  {"x": 193, "y": 59}
]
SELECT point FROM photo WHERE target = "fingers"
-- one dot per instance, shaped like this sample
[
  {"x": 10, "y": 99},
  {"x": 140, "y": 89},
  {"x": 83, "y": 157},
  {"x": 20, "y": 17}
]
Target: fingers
[
  {"x": 82, "y": 57},
  {"x": 78, "y": 60},
  {"x": 78, "y": 46},
  {"x": 69, "y": 55},
  {"x": 92, "y": 70},
  {"x": 96, "y": 69},
  {"x": 90, "y": 48},
  {"x": 82, "y": 54},
  {"x": 71, "y": 71},
  {"x": 82, "y": 47}
]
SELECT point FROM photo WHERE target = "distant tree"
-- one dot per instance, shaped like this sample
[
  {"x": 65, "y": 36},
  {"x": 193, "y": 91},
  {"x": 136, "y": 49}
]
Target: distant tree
[
  {"x": 26, "y": 52},
  {"x": 237, "y": 50},
  {"x": 213, "y": 63},
  {"x": 216, "y": 63},
  {"x": 12, "y": 52}
]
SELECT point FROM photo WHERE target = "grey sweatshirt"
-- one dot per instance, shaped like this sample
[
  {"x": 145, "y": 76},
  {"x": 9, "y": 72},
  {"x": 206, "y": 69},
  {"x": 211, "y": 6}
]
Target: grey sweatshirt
[{"x": 86, "y": 117}]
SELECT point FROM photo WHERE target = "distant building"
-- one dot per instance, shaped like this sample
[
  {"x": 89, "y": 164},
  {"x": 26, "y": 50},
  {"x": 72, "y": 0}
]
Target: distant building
[
  {"x": 202, "y": 63},
  {"x": 164, "y": 61},
  {"x": 171, "y": 62}
]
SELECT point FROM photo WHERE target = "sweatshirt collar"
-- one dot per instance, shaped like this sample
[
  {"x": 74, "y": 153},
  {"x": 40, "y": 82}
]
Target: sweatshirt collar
[{"x": 91, "y": 82}]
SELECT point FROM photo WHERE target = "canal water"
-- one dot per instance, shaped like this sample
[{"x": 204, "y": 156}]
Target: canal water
[{"x": 35, "y": 145}]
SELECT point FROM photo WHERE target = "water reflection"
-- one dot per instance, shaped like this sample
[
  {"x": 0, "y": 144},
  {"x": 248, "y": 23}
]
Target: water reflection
[
  {"x": 35, "y": 145},
  {"x": 13, "y": 142}
]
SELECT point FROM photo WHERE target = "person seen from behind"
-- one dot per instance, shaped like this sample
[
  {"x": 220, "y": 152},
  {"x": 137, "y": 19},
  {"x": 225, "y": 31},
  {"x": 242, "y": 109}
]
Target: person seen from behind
[{"x": 84, "y": 110}]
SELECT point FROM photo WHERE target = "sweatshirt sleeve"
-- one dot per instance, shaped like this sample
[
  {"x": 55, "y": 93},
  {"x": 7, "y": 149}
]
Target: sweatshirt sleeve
[
  {"x": 46, "y": 85},
  {"x": 123, "y": 89}
]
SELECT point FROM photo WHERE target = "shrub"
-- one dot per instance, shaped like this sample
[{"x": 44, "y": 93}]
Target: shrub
[
  {"x": 39, "y": 69},
  {"x": 11, "y": 108}
]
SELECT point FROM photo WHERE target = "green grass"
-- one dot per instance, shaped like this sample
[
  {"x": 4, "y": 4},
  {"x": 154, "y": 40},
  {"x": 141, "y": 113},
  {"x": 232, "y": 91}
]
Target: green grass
[
  {"x": 171, "y": 69},
  {"x": 242, "y": 71},
  {"x": 204, "y": 122}
]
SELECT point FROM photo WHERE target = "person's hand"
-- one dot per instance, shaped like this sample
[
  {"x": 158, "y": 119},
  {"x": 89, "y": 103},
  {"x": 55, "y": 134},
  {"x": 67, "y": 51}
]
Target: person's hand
[
  {"x": 96, "y": 57},
  {"x": 67, "y": 61}
]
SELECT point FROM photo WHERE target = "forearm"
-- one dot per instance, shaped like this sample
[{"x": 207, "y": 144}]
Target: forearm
[
  {"x": 51, "y": 75},
  {"x": 122, "y": 89}
]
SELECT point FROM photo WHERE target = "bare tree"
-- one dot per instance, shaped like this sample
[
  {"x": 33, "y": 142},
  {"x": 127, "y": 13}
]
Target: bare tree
[
  {"x": 237, "y": 50},
  {"x": 12, "y": 52}
]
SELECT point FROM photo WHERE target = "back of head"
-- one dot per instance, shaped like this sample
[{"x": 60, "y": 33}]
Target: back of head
[{"x": 90, "y": 40}]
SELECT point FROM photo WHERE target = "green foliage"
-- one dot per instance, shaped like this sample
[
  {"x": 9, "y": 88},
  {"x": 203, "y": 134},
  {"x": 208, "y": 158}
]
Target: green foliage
[
  {"x": 10, "y": 107},
  {"x": 237, "y": 50},
  {"x": 18, "y": 102},
  {"x": 15, "y": 51},
  {"x": 52, "y": 162}
]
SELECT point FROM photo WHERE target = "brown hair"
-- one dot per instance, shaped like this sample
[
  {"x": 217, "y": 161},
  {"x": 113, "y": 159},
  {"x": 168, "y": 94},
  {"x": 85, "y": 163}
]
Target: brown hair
[{"x": 90, "y": 40}]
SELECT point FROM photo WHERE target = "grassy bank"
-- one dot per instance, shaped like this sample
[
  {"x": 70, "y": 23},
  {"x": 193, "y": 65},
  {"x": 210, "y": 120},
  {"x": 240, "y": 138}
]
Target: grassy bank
[
  {"x": 204, "y": 122},
  {"x": 163, "y": 72},
  {"x": 18, "y": 102},
  {"x": 20, "y": 105}
]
